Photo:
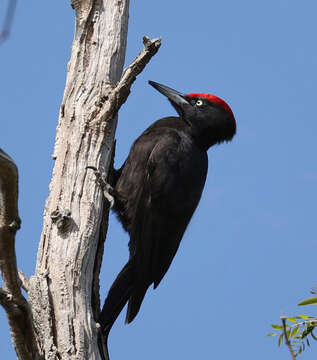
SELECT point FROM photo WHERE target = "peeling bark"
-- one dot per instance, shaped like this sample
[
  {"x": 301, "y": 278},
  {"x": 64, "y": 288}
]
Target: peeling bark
[{"x": 65, "y": 262}]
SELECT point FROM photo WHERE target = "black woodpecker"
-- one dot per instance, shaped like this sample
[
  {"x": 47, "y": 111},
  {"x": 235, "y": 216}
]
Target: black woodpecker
[{"x": 157, "y": 190}]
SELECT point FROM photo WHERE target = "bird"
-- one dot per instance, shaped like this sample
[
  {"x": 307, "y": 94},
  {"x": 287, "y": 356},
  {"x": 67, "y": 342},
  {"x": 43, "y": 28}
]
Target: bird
[{"x": 156, "y": 191}]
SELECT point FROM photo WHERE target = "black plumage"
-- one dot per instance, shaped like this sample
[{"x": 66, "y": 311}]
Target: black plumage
[{"x": 157, "y": 190}]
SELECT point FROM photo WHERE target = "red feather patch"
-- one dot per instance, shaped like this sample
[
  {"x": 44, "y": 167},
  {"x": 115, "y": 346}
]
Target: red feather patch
[{"x": 214, "y": 100}]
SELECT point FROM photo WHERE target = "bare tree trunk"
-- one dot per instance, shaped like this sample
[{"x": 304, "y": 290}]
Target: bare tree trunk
[
  {"x": 63, "y": 294},
  {"x": 65, "y": 262}
]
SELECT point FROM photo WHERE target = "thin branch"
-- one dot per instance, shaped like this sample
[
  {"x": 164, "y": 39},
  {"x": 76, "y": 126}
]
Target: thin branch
[
  {"x": 15, "y": 305},
  {"x": 287, "y": 342},
  {"x": 151, "y": 47},
  {"x": 9, "y": 223},
  {"x": 8, "y": 20},
  {"x": 118, "y": 96}
]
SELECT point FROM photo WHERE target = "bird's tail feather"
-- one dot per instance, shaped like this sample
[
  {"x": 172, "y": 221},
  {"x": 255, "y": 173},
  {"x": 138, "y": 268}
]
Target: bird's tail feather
[
  {"x": 134, "y": 305},
  {"x": 118, "y": 296}
]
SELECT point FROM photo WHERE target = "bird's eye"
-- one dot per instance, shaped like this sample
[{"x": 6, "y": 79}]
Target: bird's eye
[{"x": 199, "y": 102}]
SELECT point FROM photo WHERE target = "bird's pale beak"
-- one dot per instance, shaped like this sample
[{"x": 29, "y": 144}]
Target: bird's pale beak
[{"x": 177, "y": 99}]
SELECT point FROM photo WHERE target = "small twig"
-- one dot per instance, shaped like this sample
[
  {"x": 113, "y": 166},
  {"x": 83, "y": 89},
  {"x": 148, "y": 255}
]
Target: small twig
[
  {"x": 8, "y": 20},
  {"x": 287, "y": 342}
]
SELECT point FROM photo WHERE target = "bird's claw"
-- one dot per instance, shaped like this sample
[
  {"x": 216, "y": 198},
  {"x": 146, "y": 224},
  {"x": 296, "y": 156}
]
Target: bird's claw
[
  {"x": 106, "y": 193},
  {"x": 106, "y": 188}
]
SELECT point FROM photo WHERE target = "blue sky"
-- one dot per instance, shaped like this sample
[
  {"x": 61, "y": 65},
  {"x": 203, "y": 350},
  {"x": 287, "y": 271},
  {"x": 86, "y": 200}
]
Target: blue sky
[{"x": 249, "y": 252}]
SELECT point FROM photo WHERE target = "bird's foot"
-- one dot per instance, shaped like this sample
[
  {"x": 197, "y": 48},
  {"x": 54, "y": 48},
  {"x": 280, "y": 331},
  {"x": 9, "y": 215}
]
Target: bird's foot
[
  {"x": 107, "y": 189},
  {"x": 107, "y": 194}
]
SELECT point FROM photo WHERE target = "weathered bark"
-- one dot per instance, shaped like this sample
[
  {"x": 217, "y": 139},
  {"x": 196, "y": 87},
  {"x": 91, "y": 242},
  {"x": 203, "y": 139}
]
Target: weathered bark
[
  {"x": 61, "y": 289},
  {"x": 58, "y": 321}
]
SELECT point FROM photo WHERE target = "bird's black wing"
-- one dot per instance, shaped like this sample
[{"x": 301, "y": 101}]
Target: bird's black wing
[{"x": 171, "y": 188}]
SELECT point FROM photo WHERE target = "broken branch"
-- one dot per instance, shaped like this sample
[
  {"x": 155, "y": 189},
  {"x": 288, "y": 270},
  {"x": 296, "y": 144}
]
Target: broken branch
[{"x": 11, "y": 298}]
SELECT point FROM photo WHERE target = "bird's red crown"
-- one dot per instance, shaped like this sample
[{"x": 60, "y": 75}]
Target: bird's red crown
[{"x": 214, "y": 100}]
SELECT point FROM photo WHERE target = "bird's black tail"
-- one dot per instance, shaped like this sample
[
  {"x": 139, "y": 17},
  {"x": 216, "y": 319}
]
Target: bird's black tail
[{"x": 118, "y": 296}]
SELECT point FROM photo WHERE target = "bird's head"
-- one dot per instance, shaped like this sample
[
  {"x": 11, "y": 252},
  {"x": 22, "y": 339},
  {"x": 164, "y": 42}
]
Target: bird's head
[{"x": 208, "y": 118}]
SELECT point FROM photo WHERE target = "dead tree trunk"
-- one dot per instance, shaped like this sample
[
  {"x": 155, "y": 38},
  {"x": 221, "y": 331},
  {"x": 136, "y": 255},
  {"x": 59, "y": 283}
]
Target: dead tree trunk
[{"x": 58, "y": 320}]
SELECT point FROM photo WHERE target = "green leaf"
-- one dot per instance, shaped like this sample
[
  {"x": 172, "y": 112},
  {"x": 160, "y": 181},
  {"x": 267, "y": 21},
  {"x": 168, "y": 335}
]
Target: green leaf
[
  {"x": 288, "y": 333},
  {"x": 280, "y": 339},
  {"x": 309, "y": 301},
  {"x": 278, "y": 327},
  {"x": 294, "y": 332},
  {"x": 273, "y": 334},
  {"x": 305, "y": 317},
  {"x": 292, "y": 319}
]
